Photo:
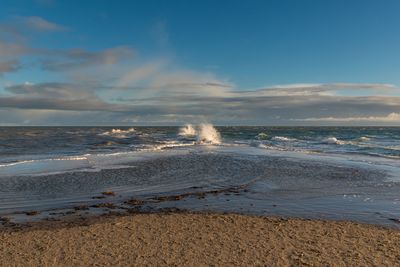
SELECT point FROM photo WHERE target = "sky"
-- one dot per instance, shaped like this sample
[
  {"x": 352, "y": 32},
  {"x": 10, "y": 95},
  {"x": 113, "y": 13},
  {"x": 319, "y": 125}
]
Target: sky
[{"x": 270, "y": 62}]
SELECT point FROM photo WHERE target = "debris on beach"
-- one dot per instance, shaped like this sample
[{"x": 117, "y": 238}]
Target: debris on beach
[{"x": 32, "y": 213}]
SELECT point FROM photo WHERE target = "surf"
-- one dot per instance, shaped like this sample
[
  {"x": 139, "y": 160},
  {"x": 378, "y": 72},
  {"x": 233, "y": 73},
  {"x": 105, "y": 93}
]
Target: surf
[
  {"x": 205, "y": 133},
  {"x": 119, "y": 133}
]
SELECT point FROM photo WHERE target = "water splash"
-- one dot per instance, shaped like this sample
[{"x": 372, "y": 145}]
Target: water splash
[
  {"x": 187, "y": 131},
  {"x": 205, "y": 133},
  {"x": 208, "y": 134}
]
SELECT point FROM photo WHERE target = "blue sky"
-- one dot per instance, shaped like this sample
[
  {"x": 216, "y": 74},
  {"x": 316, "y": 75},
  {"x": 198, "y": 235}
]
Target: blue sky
[{"x": 162, "y": 62}]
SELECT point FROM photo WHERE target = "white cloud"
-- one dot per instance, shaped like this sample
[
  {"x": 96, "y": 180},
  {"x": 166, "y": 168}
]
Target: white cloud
[
  {"x": 40, "y": 24},
  {"x": 135, "y": 75},
  {"x": 185, "y": 82},
  {"x": 320, "y": 89}
]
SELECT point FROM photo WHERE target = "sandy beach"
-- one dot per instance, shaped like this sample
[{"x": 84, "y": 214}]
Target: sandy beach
[{"x": 187, "y": 239}]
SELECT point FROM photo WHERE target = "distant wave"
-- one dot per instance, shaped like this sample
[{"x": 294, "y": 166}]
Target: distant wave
[
  {"x": 355, "y": 142},
  {"x": 328, "y": 140},
  {"x": 278, "y": 148},
  {"x": 282, "y": 139},
  {"x": 372, "y": 146},
  {"x": 119, "y": 133},
  {"x": 364, "y": 138},
  {"x": 333, "y": 140},
  {"x": 170, "y": 145},
  {"x": 107, "y": 143}
]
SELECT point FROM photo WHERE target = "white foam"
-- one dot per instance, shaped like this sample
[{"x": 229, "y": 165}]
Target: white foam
[
  {"x": 5, "y": 165},
  {"x": 171, "y": 144},
  {"x": 87, "y": 162},
  {"x": 265, "y": 146},
  {"x": 275, "y": 148},
  {"x": 32, "y": 167},
  {"x": 282, "y": 139}
]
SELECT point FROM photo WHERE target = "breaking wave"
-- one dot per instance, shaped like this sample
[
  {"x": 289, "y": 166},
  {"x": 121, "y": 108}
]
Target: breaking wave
[
  {"x": 333, "y": 140},
  {"x": 171, "y": 145},
  {"x": 282, "y": 139},
  {"x": 364, "y": 139},
  {"x": 205, "y": 133},
  {"x": 119, "y": 133}
]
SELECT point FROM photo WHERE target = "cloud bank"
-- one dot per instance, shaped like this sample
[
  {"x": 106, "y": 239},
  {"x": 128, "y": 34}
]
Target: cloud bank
[
  {"x": 392, "y": 117},
  {"x": 175, "y": 103}
]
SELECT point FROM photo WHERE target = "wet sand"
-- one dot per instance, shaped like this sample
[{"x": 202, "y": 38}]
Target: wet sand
[{"x": 189, "y": 239}]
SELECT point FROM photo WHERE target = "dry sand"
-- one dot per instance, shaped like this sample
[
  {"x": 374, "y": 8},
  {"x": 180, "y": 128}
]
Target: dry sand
[{"x": 200, "y": 240}]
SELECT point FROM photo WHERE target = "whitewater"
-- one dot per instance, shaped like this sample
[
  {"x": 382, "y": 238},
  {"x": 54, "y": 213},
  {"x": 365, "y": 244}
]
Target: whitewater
[{"x": 333, "y": 172}]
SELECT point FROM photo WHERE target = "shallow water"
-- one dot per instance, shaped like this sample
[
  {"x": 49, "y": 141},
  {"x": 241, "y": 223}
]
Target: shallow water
[{"x": 304, "y": 172}]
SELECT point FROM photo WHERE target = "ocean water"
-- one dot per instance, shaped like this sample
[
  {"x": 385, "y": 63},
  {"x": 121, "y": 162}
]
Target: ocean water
[{"x": 312, "y": 172}]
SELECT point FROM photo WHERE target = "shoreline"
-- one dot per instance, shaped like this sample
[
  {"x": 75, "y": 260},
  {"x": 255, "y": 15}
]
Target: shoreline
[
  {"x": 73, "y": 219},
  {"x": 218, "y": 182},
  {"x": 187, "y": 238}
]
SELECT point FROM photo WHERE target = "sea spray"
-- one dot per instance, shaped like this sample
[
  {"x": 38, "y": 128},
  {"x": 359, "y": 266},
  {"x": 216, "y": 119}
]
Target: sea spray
[
  {"x": 187, "y": 131},
  {"x": 208, "y": 134}
]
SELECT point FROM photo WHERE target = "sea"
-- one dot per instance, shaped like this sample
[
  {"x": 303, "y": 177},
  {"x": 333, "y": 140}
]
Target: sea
[{"x": 332, "y": 173}]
